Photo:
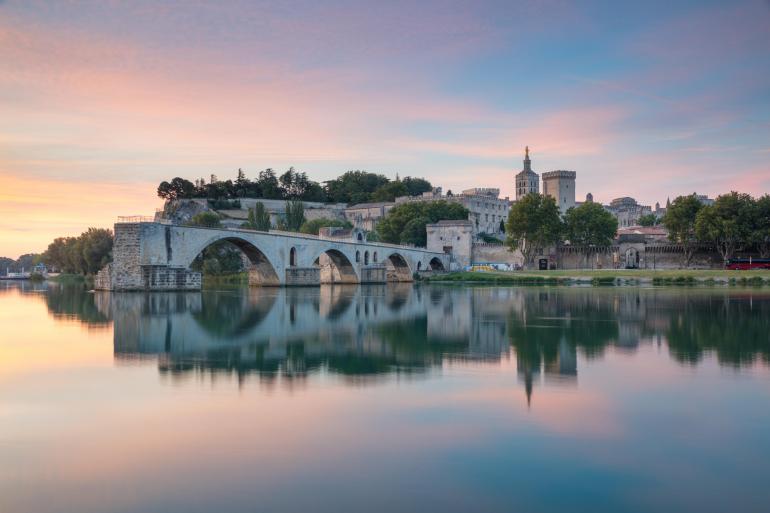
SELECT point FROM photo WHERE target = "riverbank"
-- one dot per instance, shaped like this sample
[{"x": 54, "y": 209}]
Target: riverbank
[{"x": 609, "y": 277}]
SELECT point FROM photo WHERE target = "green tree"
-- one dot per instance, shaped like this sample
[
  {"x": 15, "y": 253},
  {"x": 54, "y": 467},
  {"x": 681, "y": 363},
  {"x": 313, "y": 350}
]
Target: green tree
[
  {"x": 533, "y": 225},
  {"x": 311, "y": 227},
  {"x": 648, "y": 220},
  {"x": 727, "y": 223},
  {"x": 177, "y": 188},
  {"x": 259, "y": 218},
  {"x": 395, "y": 227},
  {"x": 761, "y": 228},
  {"x": 414, "y": 232},
  {"x": 591, "y": 226},
  {"x": 390, "y": 191},
  {"x": 680, "y": 223},
  {"x": 85, "y": 254},
  {"x": 416, "y": 186},
  {"x": 354, "y": 187},
  {"x": 294, "y": 217},
  {"x": 96, "y": 245},
  {"x": 268, "y": 185},
  {"x": 206, "y": 219}
]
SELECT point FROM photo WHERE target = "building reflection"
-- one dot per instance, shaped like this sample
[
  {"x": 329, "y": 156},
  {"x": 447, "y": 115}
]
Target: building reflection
[{"x": 366, "y": 333}]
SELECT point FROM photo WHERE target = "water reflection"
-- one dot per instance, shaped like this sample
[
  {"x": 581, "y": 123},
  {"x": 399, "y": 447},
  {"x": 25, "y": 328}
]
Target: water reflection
[{"x": 365, "y": 333}]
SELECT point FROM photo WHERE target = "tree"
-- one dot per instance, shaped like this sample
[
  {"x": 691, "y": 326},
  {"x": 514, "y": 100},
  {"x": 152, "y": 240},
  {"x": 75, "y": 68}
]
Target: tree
[
  {"x": 648, "y": 220},
  {"x": 416, "y": 186},
  {"x": 761, "y": 226},
  {"x": 85, "y": 254},
  {"x": 96, "y": 245},
  {"x": 268, "y": 185},
  {"x": 591, "y": 226},
  {"x": 295, "y": 216},
  {"x": 533, "y": 224},
  {"x": 680, "y": 223},
  {"x": 727, "y": 223},
  {"x": 259, "y": 218},
  {"x": 390, "y": 191},
  {"x": 311, "y": 227},
  {"x": 399, "y": 225},
  {"x": 354, "y": 187},
  {"x": 177, "y": 188},
  {"x": 206, "y": 219}
]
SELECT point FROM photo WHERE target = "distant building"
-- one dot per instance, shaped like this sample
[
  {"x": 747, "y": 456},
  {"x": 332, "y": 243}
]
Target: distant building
[
  {"x": 366, "y": 215},
  {"x": 704, "y": 199},
  {"x": 560, "y": 185},
  {"x": 627, "y": 211},
  {"x": 527, "y": 181},
  {"x": 487, "y": 212}
]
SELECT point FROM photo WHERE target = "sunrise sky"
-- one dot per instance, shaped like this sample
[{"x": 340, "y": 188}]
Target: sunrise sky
[{"x": 101, "y": 100}]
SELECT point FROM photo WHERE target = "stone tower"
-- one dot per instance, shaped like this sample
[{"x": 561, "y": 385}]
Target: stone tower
[
  {"x": 560, "y": 185},
  {"x": 527, "y": 181}
]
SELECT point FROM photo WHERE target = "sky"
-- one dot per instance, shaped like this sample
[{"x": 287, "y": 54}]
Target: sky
[{"x": 102, "y": 100}]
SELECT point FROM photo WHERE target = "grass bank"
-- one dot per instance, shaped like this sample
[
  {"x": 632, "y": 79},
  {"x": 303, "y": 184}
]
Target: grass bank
[
  {"x": 229, "y": 280},
  {"x": 71, "y": 279},
  {"x": 610, "y": 277}
]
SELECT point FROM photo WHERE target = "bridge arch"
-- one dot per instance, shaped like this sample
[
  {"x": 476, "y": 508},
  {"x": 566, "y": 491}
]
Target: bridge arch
[
  {"x": 436, "y": 264},
  {"x": 336, "y": 267},
  {"x": 398, "y": 268},
  {"x": 261, "y": 271}
]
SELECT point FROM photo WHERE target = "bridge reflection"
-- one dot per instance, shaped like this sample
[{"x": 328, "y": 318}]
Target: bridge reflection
[{"x": 365, "y": 333}]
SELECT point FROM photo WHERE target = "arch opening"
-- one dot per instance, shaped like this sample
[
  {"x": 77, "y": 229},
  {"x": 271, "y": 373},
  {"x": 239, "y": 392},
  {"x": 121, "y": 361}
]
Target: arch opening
[
  {"x": 366, "y": 258},
  {"x": 293, "y": 257},
  {"x": 436, "y": 264},
  {"x": 233, "y": 254},
  {"x": 397, "y": 269},
  {"x": 336, "y": 267}
]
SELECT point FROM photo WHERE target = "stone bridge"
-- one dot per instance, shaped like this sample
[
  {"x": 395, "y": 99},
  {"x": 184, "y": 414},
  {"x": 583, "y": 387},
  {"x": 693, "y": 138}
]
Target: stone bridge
[{"x": 157, "y": 256}]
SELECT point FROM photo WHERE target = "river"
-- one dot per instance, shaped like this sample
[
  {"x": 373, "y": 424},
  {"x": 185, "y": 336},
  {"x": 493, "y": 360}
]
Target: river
[{"x": 384, "y": 398}]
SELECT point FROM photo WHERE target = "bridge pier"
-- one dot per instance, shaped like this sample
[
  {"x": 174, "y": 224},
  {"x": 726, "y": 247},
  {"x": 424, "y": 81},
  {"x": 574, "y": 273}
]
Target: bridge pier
[{"x": 302, "y": 276}]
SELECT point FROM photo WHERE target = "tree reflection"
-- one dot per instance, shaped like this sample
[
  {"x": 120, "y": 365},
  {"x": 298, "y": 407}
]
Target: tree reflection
[{"x": 363, "y": 334}]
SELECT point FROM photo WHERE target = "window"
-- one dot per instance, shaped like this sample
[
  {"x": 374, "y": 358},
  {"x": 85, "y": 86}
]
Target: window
[
  {"x": 374, "y": 257},
  {"x": 292, "y": 257},
  {"x": 358, "y": 256},
  {"x": 366, "y": 258}
]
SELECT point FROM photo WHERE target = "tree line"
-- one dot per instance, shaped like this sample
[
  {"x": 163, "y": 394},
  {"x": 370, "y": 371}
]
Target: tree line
[
  {"x": 351, "y": 187},
  {"x": 535, "y": 223},
  {"x": 85, "y": 254},
  {"x": 735, "y": 222}
]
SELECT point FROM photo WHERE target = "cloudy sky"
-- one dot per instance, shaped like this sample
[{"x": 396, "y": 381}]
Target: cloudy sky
[{"x": 100, "y": 100}]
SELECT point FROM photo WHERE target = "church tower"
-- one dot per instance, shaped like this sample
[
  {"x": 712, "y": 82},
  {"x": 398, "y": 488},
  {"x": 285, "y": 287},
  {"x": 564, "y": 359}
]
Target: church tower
[{"x": 527, "y": 181}]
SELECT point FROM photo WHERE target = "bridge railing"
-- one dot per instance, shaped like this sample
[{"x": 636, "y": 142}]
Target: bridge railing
[{"x": 142, "y": 219}]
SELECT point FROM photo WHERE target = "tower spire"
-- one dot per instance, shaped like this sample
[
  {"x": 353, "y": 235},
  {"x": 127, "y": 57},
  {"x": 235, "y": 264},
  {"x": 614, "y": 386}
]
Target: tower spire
[{"x": 527, "y": 162}]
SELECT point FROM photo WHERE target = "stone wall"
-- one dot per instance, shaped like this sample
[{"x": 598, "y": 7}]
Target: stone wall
[
  {"x": 486, "y": 253},
  {"x": 373, "y": 274},
  {"x": 637, "y": 255},
  {"x": 299, "y": 276},
  {"x": 163, "y": 277}
]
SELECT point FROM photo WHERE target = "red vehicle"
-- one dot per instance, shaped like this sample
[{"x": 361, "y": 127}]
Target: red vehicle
[{"x": 744, "y": 264}]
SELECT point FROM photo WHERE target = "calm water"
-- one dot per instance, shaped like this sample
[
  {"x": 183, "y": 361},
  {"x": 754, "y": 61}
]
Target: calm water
[{"x": 385, "y": 398}]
